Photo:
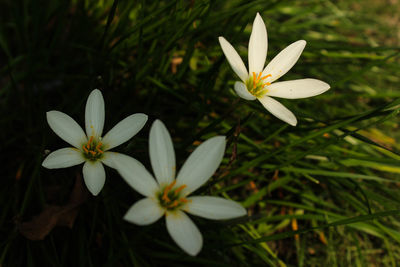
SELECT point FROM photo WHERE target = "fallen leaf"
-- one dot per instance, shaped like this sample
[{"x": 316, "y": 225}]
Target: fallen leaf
[
  {"x": 42, "y": 224},
  {"x": 175, "y": 62}
]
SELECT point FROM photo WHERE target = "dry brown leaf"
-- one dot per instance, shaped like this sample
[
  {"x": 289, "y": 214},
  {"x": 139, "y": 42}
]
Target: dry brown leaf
[
  {"x": 41, "y": 225},
  {"x": 176, "y": 61}
]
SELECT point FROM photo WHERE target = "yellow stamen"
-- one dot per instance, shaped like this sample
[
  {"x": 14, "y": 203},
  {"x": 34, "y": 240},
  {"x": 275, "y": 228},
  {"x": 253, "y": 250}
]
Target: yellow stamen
[
  {"x": 174, "y": 204},
  {"x": 90, "y": 140},
  {"x": 179, "y": 189},
  {"x": 254, "y": 79},
  {"x": 98, "y": 147},
  {"x": 266, "y": 76},
  {"x": 85, "y": 149},
  {"x": 165, "y": 197},
  {"x": 166, "y": 190},
  {"x": 170, "y": 197},
  {"x": 92, "y": 152},
  {"x": 258, "y": 77}
]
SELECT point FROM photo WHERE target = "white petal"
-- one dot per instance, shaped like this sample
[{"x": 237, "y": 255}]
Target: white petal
[
  {"x": 215, "y": 208},
  {"x": 184, "y": 232},
  {"x": 135, "y": 174},
  {"x": 201, "y": 164},
  {"x": 258, "y": 46},
  {"x": 241, "y": 90},
  {"x": 124, "y": 130},
  {"x": 298, "y": 88},
  {"x": 94, "y": 114},
  {"x": 109, "y": 158},
  {"x": 144, "y": 212},
  {"x": 94, "y": 176},
  {"x": 66, "y": 128},
  {"x": 63, "y": 158},
  {"x": 234, "y": 59},
  {"x": 278, "y": 110},
  {"x": 162, "y": 155},
  {"x": 284, "y": 61}
]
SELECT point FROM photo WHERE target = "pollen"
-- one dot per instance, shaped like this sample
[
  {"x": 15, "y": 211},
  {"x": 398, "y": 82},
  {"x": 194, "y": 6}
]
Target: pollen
[
  {"x": 170, "y": 198},
  {"x": 179, "y": 189},
  {"x": 258, "y": 78},
  {"x": 166, "y": 191},
  {"x": 98, "y": 147},
  {"x": 256, "y": 84},
  {"x": 93, "y": 149}
]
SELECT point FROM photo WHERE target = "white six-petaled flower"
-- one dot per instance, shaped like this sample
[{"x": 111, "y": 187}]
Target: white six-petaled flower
[
  {"x": 257, "y": 83},
  {"x": 90, "y": 148},
  {"x": 168, "y": 196}
]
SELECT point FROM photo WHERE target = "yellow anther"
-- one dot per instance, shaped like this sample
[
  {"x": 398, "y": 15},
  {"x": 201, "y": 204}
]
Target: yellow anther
[
  {"x": 165, "y": 197},
  {"x": 98, "y": 147},
  {"x": 170, "y": 196},
  {"x": 266, "y": 76},
  {"x": 90, "y": 140},
  {"x": 254, "y": 80},
  {"x": 258, "y": 77},
  {"x": 92, "y": 150},
  {"x": 166, "y": 190},
  {"x": 169, "y": 187},
  {"x": 179, "y": 189},
  {"x": 174, "y": 204}
]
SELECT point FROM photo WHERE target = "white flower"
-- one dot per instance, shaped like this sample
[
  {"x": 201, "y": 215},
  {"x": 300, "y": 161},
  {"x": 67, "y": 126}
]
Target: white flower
[
  {"x": 258, "y": 83},
  {"x": 90, "y": 148},
  {"x": 169, "y": 196}
]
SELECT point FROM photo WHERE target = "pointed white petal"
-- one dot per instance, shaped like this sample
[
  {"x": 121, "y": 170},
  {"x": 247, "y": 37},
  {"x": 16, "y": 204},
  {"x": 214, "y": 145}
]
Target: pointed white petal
[
  {"x": 66, "y": 128},
  {"x": 284, "y": 61},
  {"x": 144, "y": 212},
  {"x": 124, "y": 130},
  {"x": 241, "y": 90},
  {"x": 258, "y": 46},
  {"x": 278, "y": 110},
  {"x": 184, "y": 232},
  {"x": 94, "y": 176},
  {"x": 63, "y": 158},
  {"x": 201, "y": 164},
  {"x": 94, "y": 114},
  {"x": 162, "y": 155},
  {"x": 215, "y": 208},
  {"x": 135, "y": 174},
  {"x": 109, "y": 158},
  {"x": 297, "y": 88},
  {"x": 234, "y": 59}
]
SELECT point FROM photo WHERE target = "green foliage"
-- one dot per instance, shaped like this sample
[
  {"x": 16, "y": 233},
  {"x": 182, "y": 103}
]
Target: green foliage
[{"x": 323, "y": 193}]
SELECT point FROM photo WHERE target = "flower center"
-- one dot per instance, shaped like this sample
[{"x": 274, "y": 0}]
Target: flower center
[
  {"x": 256, "y": 86},
  {"x": 93, "y": 150},
  {"x": 170, "y": 198}
]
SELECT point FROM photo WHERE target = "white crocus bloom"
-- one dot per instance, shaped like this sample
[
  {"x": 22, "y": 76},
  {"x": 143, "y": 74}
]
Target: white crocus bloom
[
  {"x": 168, "y": 196},
  {"x": 257, "y": 83},
  {"x": 90, "y": 148}
]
